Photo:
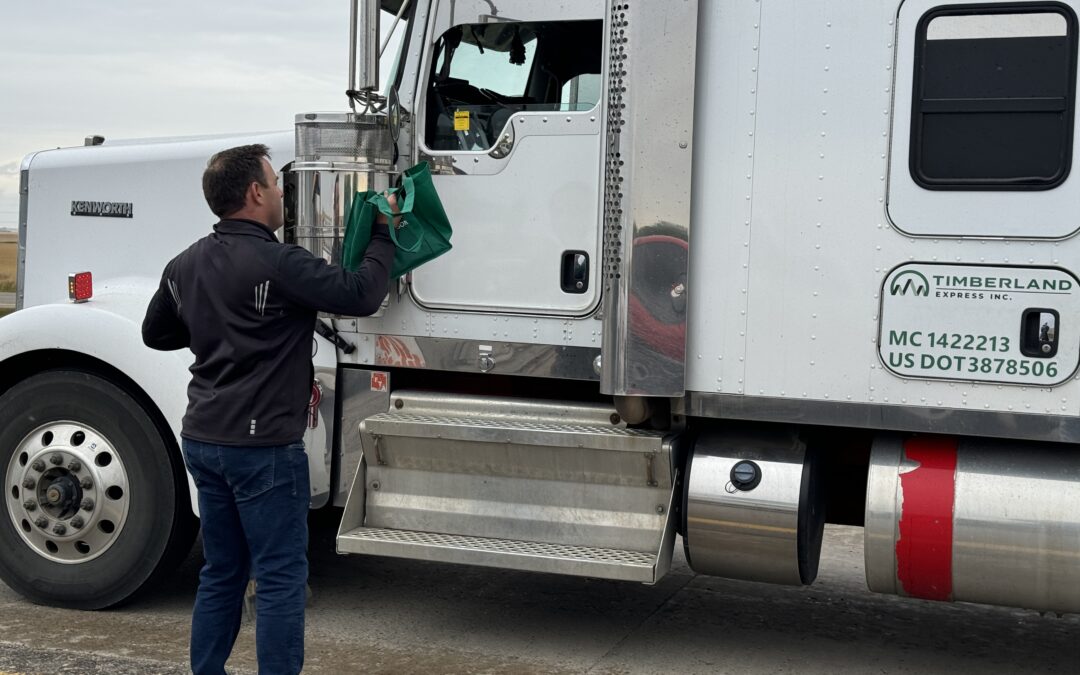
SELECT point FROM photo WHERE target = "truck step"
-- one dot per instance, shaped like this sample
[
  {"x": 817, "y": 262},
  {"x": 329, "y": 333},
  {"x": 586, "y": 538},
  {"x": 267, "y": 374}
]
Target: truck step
[
  {"x": 511, "y": 430},
  {"x": 527, "y": 556},
  {"x": 523, "y": 484}
]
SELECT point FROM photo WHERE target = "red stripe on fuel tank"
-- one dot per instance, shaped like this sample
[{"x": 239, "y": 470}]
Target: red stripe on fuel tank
[{"x": 924, "y": 549}]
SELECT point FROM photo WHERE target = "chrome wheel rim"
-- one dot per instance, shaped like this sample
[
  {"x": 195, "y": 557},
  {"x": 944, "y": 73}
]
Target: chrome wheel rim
[{"x": 67, "y": 491}]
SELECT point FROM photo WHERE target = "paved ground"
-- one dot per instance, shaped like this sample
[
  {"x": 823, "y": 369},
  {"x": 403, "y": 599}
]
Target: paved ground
[
  {"x": 7, "y": 299},
  {"x": 374, "y": 615}
]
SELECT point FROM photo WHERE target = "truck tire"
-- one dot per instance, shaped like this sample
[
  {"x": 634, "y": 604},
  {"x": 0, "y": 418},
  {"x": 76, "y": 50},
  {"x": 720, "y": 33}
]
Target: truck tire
[{"x": 96, "y": 506}]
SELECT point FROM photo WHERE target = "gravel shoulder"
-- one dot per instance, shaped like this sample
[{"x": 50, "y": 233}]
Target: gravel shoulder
[{"x": 379, "y": 615}]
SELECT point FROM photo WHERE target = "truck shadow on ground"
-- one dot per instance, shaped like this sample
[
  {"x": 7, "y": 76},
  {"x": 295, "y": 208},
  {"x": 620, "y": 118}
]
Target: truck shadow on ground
[{"x": 522, "y": 621}]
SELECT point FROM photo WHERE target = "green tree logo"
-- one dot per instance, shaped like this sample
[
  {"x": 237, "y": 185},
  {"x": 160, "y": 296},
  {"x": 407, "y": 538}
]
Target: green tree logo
[{"x": 910, "y": 281}]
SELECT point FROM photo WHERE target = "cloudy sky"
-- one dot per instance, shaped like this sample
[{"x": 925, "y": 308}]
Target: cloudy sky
[{"x": 133, "y": 69}]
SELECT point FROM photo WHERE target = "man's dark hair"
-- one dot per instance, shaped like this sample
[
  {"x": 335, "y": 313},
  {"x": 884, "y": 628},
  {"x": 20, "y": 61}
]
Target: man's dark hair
[{"x": 228, "y": 175}]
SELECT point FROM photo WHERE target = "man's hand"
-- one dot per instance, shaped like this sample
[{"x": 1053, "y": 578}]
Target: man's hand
[{"x": 381, "y": 217}]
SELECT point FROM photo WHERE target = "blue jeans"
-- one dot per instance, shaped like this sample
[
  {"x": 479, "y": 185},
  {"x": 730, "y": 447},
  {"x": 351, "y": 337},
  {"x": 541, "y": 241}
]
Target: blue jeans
[{"x": 253, "y": 504}]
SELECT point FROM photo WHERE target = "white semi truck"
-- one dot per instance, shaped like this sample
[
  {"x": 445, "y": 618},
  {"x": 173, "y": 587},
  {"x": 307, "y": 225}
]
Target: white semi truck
[{"x": 722, "y": 269}]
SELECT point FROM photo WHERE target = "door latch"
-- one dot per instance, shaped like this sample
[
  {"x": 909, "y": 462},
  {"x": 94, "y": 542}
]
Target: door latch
[
  {"x": 575, "y": 272},
  {"x": 486, "y": 360},
  {"x": 1039, "y": 329}
]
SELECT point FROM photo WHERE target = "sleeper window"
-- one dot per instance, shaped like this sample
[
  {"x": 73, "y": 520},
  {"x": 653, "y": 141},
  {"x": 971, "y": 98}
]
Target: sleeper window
[{"x": 994, "y": 97}]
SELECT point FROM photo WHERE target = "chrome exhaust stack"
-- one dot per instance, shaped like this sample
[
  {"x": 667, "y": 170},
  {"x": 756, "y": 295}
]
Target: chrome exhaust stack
[
  {"x": 974, "y": 520},
  {"x": 753, "y": 507},
  {"x": 363, "y": 57}
]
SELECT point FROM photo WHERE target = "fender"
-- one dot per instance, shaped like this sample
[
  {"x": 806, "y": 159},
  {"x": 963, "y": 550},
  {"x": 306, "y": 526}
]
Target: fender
[{"x": 109, "y": 329}]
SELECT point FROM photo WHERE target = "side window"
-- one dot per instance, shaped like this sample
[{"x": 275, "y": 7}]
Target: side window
[
  {"x": 502, "y": 73},
  {"x": 994, "y": 97},
  {"x": 582, "y": 92},
  {"x": 390, "y": 63},
  {"x": 484, "y": 73}
]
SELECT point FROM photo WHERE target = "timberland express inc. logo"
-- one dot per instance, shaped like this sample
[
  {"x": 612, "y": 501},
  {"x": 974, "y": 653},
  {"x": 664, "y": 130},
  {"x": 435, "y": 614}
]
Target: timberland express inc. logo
[
  {"x": 967, "y": 286},
  {"x": 910, "y": 281}
]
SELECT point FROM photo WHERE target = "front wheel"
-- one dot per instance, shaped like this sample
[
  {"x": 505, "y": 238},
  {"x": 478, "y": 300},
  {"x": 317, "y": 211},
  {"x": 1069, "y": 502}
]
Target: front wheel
[{"x": 96, "y": 505}]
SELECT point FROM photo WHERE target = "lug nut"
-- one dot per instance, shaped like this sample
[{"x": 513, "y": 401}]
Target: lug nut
[
  {"x": 42, "y": 522},
  {"x": 38, "y": 465},
  {"x": 87, "y": 504},
  {"x": 56, "y": 459},
  {"x": 77, "y": 522},
  {"x": 59, "y": 529},
  {"x": 30, "y": 505},
  {"x": 29, "y": 483},
  {"x": 86, "y": 483},
  {"x": 75, "y": 466}
]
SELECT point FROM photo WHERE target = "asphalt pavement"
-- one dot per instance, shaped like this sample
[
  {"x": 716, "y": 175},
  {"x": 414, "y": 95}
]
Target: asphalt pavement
[
  {"x": 381, "y": 615},
  {"x": 7, "y": 299}
]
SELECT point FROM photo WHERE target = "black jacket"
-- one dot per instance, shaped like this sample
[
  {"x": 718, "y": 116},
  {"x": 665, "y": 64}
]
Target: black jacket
[{"x": 246, "y": 306}]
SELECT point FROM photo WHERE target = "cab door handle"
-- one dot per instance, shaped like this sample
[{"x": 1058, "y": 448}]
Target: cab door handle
[
  {"x": 1039, "y": 332},
  {"x": 575, "y": 272}
]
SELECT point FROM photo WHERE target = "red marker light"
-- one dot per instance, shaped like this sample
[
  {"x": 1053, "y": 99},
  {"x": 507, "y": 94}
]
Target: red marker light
[{"x": 80, "y": 286}]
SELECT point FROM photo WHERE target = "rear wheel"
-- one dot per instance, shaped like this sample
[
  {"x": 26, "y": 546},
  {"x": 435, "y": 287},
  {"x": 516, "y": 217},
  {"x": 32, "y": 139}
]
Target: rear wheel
[{"x": 96, "y": 504}]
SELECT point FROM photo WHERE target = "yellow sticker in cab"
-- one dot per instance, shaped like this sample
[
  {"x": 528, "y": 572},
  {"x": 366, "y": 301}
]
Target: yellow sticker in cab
[{"x": 461, "y": 120}]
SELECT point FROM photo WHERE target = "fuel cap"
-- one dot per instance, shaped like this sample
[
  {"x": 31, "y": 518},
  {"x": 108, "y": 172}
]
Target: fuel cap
[{"x": 745, "y": 475}]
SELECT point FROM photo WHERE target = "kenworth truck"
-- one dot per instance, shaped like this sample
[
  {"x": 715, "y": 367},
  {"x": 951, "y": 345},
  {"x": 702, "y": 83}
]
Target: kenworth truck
[{"x": 722, "y": 271}]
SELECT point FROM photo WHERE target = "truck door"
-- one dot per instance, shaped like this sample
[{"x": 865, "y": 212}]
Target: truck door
[{"x": 508, "y": 115}]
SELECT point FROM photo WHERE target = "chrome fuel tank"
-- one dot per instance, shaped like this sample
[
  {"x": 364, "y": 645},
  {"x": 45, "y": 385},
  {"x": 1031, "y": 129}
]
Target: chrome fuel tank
[
  {"x": 975, "y": 520},
  {"x": 754, "y": 508}
]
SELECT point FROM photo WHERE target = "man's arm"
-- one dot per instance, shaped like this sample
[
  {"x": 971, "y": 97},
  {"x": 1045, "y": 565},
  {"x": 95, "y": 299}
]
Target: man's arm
[
  {"x": 309, "y": 281},
  {"x": 162, "y": 328}
]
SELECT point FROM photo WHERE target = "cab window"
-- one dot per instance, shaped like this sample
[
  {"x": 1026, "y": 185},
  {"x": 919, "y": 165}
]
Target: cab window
[{"x": 484, "y": 73}]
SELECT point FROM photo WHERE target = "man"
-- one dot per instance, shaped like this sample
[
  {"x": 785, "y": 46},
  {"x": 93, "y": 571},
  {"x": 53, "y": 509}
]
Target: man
[{"x": 246, "y": 306}]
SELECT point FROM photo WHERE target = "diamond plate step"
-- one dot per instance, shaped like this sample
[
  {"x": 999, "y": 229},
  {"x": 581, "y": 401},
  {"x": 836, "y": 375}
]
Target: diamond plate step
[
  {"x": 512, "y": 430},
  {"x": 508, "y": 554},
  {"x": 538, "y": 485}
]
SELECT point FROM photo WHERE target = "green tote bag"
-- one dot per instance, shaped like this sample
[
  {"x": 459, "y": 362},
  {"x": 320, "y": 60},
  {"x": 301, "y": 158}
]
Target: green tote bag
[{"x": 422, "y": 234}]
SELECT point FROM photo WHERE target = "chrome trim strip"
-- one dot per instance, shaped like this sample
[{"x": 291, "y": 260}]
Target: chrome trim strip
[
  {"x": 882, "y": 517},
  {"x": 649, "y": 112},
  {"x": 363, "y": 164},
  {"x": 519, "y": 126},
  {"x": 994, "y": 424},
  {"x": 356, "y": 401},
  {"x": 24, "y": 209},
  {"x": 475, "y": 356},
  {"x": 326, "y": 380}
]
